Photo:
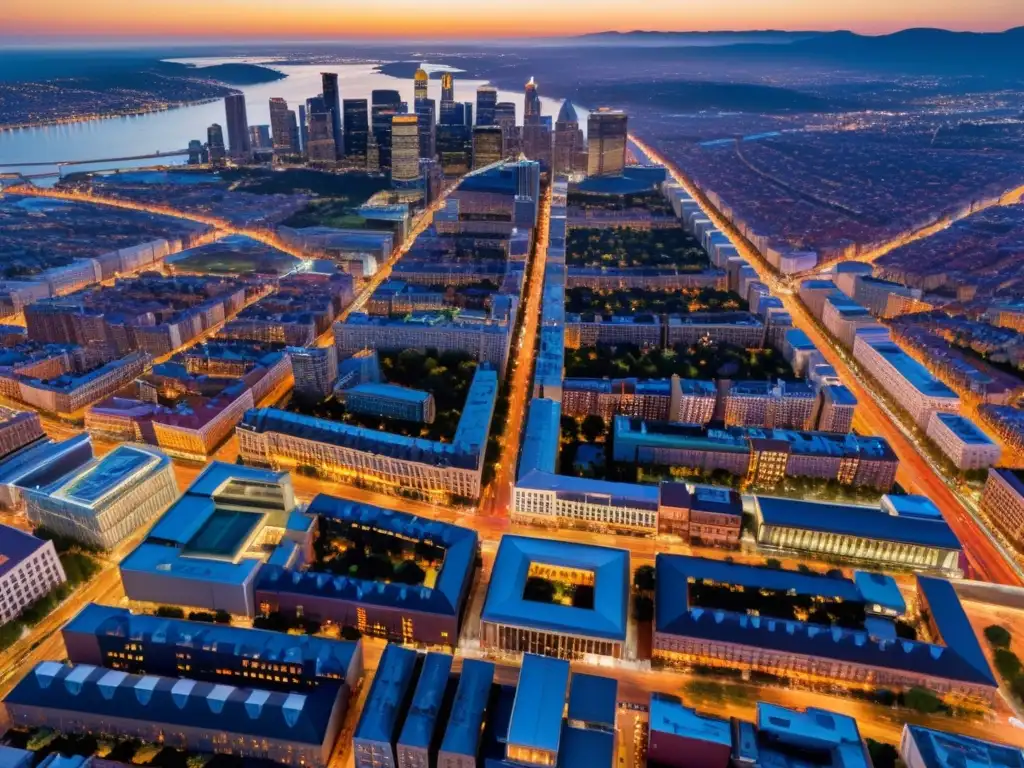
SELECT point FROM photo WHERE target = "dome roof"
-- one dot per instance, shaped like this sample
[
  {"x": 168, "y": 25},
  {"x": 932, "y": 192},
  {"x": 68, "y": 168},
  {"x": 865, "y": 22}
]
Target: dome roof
[{"x": 567, "y": 114}]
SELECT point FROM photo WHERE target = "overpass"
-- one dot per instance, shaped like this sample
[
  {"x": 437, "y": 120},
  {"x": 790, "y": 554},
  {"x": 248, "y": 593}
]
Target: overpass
[{"x": 60, "y": 163}]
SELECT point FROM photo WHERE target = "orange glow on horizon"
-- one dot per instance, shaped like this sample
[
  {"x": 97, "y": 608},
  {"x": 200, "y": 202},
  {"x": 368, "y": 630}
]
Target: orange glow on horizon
[{"x": 478, "y": 19}]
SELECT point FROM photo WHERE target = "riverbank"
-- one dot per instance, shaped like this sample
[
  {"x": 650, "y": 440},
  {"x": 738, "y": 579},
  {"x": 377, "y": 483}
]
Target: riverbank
[{"x": 168, "y": 107}]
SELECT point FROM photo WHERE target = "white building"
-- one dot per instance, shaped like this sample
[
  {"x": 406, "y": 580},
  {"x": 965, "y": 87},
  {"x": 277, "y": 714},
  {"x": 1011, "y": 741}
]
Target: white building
[
  {"x": 907, "y": 382},
  {"x": 105, "y": 501},
  {"x": 545, "y": 499},
  {"x": 29, "y": 569},
  {"x": 962, "y": 441}
]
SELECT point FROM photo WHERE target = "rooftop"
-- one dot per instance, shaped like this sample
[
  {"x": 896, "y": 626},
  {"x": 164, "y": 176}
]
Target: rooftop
[
  {"x": 90, "y": 486},
  {"x": 389, "y": 391},
  {"x": 911, "y": 370},
  {"x": 329, "y": 656},
  {"x": 592, "y": 491},
  {"x": 466, "y": 720},
  {"x": 856, "y": 520},
  {"x": 593, "y": 700},
  {"x": 424, "y": 711},
  {"x": 668, "y": 714},
  {"x": 382, "y": 711},
  {"x": 174, "y": 702},
  {"x": 540, "y": 698},
  {"x": 15, "y": 546},
  {"x": 966, "y": 430},
  {"x": 960, "y": 657},
  {"x": 505, "y": 603},
  {"x": 939, "y": 749}
]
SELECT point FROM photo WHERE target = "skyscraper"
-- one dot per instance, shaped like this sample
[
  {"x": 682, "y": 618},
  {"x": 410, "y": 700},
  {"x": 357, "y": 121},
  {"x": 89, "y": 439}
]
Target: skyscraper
[
  {"x": 537, "y": 140},
  {"x": 569, "y": 145},
  {"x": 486, "y": 101},
  {"x": 531, "y": 109},
  {"x": 303, "y": 128},
  {"x": 467, "y": 113},
  {"x": 505, "y": 116},
  {"x": 431, "y": 179},
  {"x": 384, "y": 105},
  {"x": 447, "y": 87},
  {"x": 425, "y": 116},
  {"x": 259, "y": 137},
  {"x": 454, "y": 147},
  {"x": 420, "y": 83},
  {"x": 281, "y": 122},
  {"x": 320, "y": 149},
  {"x": 488, "y": 145},
  {"x": 215, "y": 144},
  {"x": 405, "y": 150},
  {"x": 332, "y": 100},
  {"x": 357, "y": 128},
  {"x": 606, "y": 142},
  {"x": 372, "y": 154},
  {"x": 238, "y": 125}
]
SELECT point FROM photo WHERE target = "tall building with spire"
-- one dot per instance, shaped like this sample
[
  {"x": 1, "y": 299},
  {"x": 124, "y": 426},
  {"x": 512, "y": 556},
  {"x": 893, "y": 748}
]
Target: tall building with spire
[
  {"x": 447, "y": 87},
  {"x": 570, "y": 153},
  {"x": 607, "y": 130},
  {"x": 486, "y": 101},
  {"x": 238, "y": 125},
  {"x": 332, "y": 99},
  {"x": 420, "y": 82},
  {"x": 531, "y": 110}
]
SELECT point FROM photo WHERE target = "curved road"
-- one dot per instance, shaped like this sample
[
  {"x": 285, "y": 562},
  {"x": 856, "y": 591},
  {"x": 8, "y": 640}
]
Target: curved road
[{"x": 985, "y": 561}]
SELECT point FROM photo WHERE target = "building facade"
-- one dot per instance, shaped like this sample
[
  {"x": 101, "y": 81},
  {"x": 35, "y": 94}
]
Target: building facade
[
  {"x": 29, "y": 570},
  {"x": 962, "y": 441}
]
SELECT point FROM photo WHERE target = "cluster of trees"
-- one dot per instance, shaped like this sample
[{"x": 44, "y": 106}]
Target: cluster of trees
[
  {"x": 778, "y": 604},
  {"x": 373, "y": 555},
  {"x": 1007, "y": 663},
  {"x": 653, "y": 202},
  {"x": 623, "y": 247},
  {"x": 710, "y": 361},
  {"x": 174, "y": 612},
  {"x": 353, "y": 188},
  {"x": 629, "y": 301},
  {"x": 541, "y": 590},
  {"x": 643, "y": 592}
]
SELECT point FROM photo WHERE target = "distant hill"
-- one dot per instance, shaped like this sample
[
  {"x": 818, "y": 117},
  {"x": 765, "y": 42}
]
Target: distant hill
[
  {"x": 239, "y": 74},
  {"x": 654, "y": 38}
]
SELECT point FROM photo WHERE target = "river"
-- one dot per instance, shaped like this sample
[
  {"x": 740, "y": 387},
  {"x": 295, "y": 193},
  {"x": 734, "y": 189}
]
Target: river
[{"x": 173, "y": 129}]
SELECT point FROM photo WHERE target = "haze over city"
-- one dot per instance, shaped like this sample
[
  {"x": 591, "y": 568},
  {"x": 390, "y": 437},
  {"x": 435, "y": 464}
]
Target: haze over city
[{"x": 548, "y": 384}]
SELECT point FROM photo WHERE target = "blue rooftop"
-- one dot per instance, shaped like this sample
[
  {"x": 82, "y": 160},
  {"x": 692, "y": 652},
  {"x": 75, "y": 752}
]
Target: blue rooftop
[
  {"x": 915, "y": 373},
  {"x": 540, "y": 698},
  {"x": 939, "y": 749},
  {"x": 668, "y": 714},
  {"x": 966, "y": 430},
  {"x": 593, "y": 700},
  {"x": 382, "y": 712},
  {"x": 421, "y": 720},
  {"x": 466, "y": 720},
  {"x": 15, "y": 546},
  {"x": 592, "y": 491},
  {"x": 959, "y": 657},
  {"x": 856, "y": 520},
  {"x": 389, "y": 391},
  {"x": 505, "y": 603}
]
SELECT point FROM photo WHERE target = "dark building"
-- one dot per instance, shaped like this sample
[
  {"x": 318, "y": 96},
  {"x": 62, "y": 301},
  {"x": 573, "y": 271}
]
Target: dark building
[
  {"x": 332, "y": 100},
  {"x": 238, "y": 125},
  {"x": 357, "y": 127},
  {"x": 505, "y": 116},
  {"x": 215, "y": 144},
  {"x": 454, "y": 149},
  {"x": 384, "y": 105},
  {"x": 488, "y": 145},
  {"x": 140, "y": 644},
  {"x": 425, "y": 114},
  {"x": 486, "y": 101},
  {"x": 453, "y": 113},
  {"x": 570, "y": 148},
  {"x": 531, "y": 108}
]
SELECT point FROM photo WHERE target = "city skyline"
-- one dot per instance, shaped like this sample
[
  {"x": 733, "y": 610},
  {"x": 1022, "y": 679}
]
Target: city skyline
[{"x": 461, "y": 19}]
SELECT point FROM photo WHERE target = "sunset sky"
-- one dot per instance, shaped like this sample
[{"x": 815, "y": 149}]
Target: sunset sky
[{"x": 340, "y": 19}]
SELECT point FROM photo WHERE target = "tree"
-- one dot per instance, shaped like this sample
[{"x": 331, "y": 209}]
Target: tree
[
  {"x": 583, "y": 596},
  {"x": 998, "y": 636},
  {"x": 882, "y": 755},
  {"x": 539, "y": 590},
  {"x": 169, "y": 612},
  {"x": 222, "y": 616},
  {"x": 1007, "y": 663},
  {"x": 922, "y": 700},
  {"x": 593, "y": 427},
  {"x": 408, "y": 572},
  {"x": 773, "y": 562},
  {"x": 350, "y": 633},
  {"x": 570, "y": 429},
  {"x": 643, "y": 608},
  {"x": 1017, "y": 685},
  {"x": 204, "y": 616},
  {"x": 644, "y": 578}
]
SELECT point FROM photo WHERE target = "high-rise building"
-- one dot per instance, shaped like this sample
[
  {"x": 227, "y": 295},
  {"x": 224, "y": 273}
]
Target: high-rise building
[
  {"x": 488, "y": 145},
  {"x": 420, "y": 82},
  {"x": 259, "y": 137},
  {"x": 447, "y": 87},
  {"x": 357, "y": 127},
  {"x": 570, "y": 154},
  {"x": 293, "y": 130},
  {"x": 238, "y": 125},
  {"x": 531, "y": 109},
  {"x": 197, "y": 153},
  {"x": 486, "y": 101},
  {"x": 431, "y": 179},
  {"x": 282, "y": 121},
  {"x": 405, "y": 150},
  {"x": 467, "y": 113},
  {"x": 372, "y": 154},
  {"x": 384, "y": 105},
  {"x": 332, "y": 100},
  {"x": 215, "y": 144},
  {"x": 537, "y": 140},
  {"x": 606, "y": 142},
  {"x": 425, "y": 112},
  {"x": 454, "y": 149},
  {"x": 505, "y": 116},
  {"x": 320, "y": 149},
  {"x": 303, "y": 128}
]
